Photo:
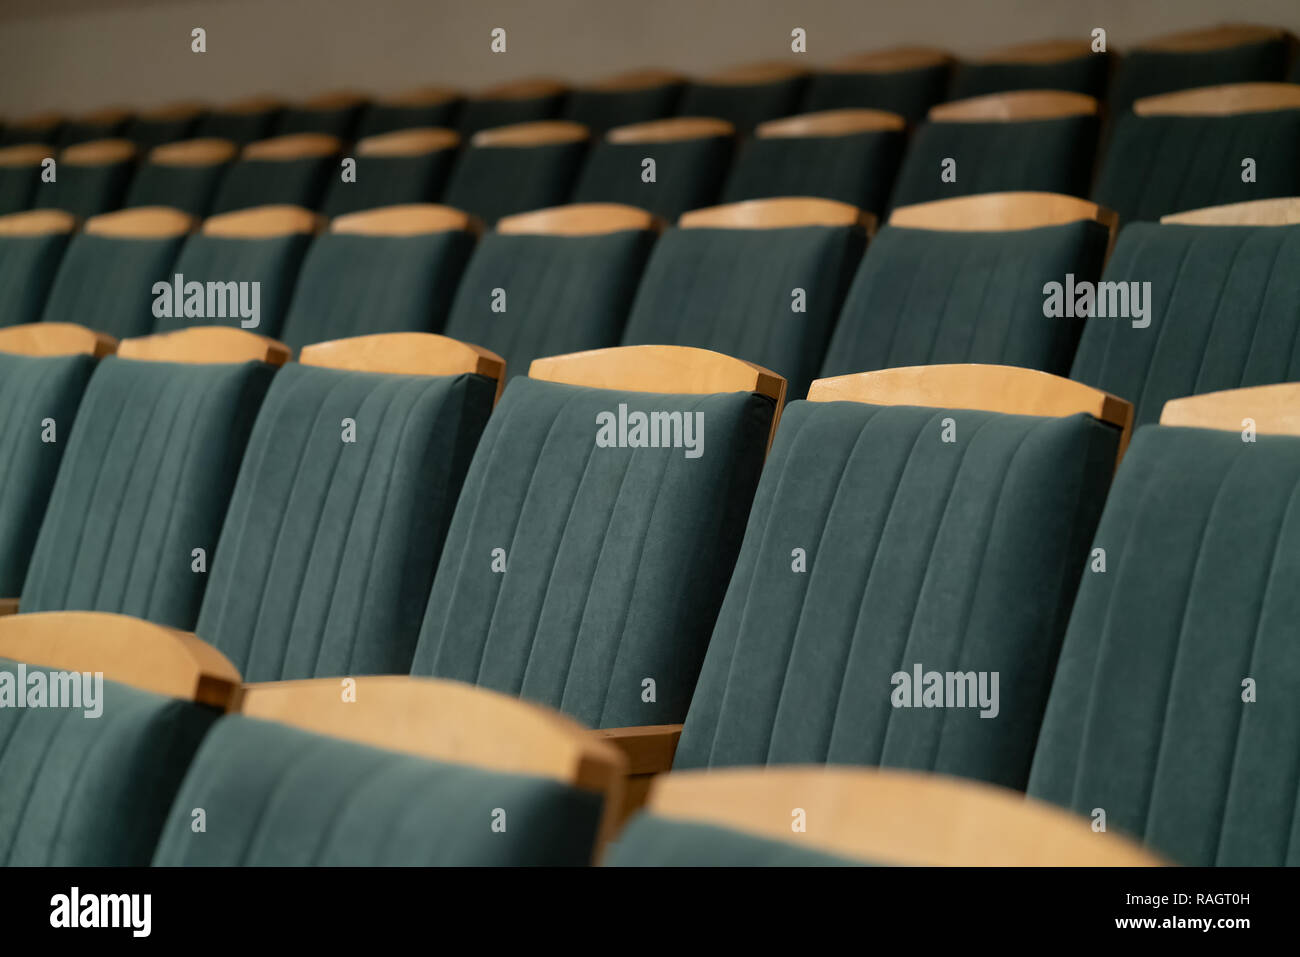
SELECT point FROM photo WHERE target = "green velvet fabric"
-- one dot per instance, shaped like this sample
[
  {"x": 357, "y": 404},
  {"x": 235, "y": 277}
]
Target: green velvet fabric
[
  {"x": 1085, "y": 74},
  {"x": 857, "y": 169},
  {"x": 239, "y": 128},
  {"x": 1225, "y": 313},
  {"x": 80, "y": 792},
  {"x": 601, "y": 110},
  {"x": 743, "y": 104},
  {"x": 388, "y": 181},
  {"x": 184, "y": 187},
  {"x": 909, "y": 93},
  {"x": 1146, "y": 718},
  {"x": 1053, "y": 156},
  {"x": 688, "y": 175},
  {"x": 379, "y": 118},
  {"x": 32, "y": 389},
  {"x": 28, "y": 265},
  {"x": 616, "y": 558},
  {"x": 329, "y": 548},
  {"x": 273, "y": 262},
  {"x": 562, "y": 293},
  {"x": 1146, "y": 73},
  {"x": 106, "y": 283},
  {"x": 653, "y": 841},
  {"x": 287, "y": 797},
  {"x": 495, "y": 181},
  {"x": 254, "y": 182},
  {"x": 1156, "y": 165},
  {"x": 731, "y": 290},
  {"x": 338, "y": 122},
  {"x": 86, "y": 191},
  {"x": 484, "y": 114},
  {"x": 147, "y": 133},
  {"x": 956, "y": 556},
  {"x": 924, "y": 296},
  {"x": 145, "y": 479},
  {"x": 18, "y": 185}
]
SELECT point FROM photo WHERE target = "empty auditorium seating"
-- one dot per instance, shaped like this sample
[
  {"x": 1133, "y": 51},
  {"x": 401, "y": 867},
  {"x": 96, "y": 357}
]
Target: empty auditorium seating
[
  {"x": 762, "y": 280},
  {"x": 690, "y": 156},
  {"x": 512, "y": 169},
  {"x": 507, "y": 104},
  {"x": 406, "y": 166},
  {"x": 848, "y": 155},
  {"x": 907, "y": 81},
  {"x": 414, "y": 109},
  {"x": 634, "y": 97},
  {"x": 184, "y": 175},
  {"x": 745, "y": 96},
  {"x": 333, "y": 114},
  {"x": 36, "y": 128},
  {"x": 294, "y": 169},
  {"x": 242, "y": 122},
  {"x": 104, "y": 124},
  {"x": 552, "y": 282},
  {"x": 1069, "y": 65},
  {"x": 167, "y": 124},
  {"x": 31, "y": 246},
  {"x": 20, "y": 175},
  {"x": 92, "y": 178},
  {"x": 965, "y": 280}
]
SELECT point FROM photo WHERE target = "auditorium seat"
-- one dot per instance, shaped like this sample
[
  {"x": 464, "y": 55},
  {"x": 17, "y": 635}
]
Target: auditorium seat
[
  {"x": 331, "y": 114},
  {"x": 413, "y": 772},
  {"x": 690, "y": 154},
  {"x": 638, "y": 96},
  {"x": 848, "y": 155},
  {"x": 1028, "y": 141},
  {"x": 907, "y": 81},
  {"x": 294, "y": 169},
  {"x": 762, "y": 280},
  {"x": 1173, "y": 712},
  {"x": 105, "y": 124},
  {"x": 965, "y": 280},
  {"x": 20, "y": 175},
  {"x": 553, "y": 281},
  {"x": 508, "y": 104},
  {"x": 107, "y": 276},
  {"x": 406, "y": 166},
  {"x": 244, "y": 121},
  {"x": 1223, "y": 306},
  {"x": 583, "y": 571},
  {"x": 1069, "y": 65},
  {"x": 263, "y": 245},
  {"x": 512, "y": 169},
  {"x": 745, "y": 96},
  {"x": 184, "y": 175},
  {"x": 434, "y": 106},
  {"x": 92, "y": 178},
  {"x": 36, "y": 128},
  {"x": 1186, "y": 150},
  {"x": 31, "y": 246},
  {"x": 166, "y": 124}
]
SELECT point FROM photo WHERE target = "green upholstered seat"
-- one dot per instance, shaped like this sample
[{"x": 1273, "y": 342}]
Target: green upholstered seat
[
  {"x": 86, "y": 190},
  {"x": 1149, "y": 72},
  {"x": 482, "y": 114},
  {"x": 146, "y": 132},
  {"x": 688, "y": 174},
  {"x": 144, "y": 481},
  {"x": 79, "y": 791},
  {"x": 562, "y": 293},
  {"x": 106, "y": 283},
  {"x": 496, "y": 181},
  {"x": 389, "y": 181},
  {"x": 926, "y": 296},
  {"x": 1146, "y": 718},
  {"x": 333, "y": 121},
  {"x": 185, "y": 186},
  {"x": 857, "y": 168},
  {"x": 32, "y": 389},
  {"x": 353, "y": 285},
  {"x": 744, "y": 105},
  {"x": 909, "y": 93},
  {"x": 1156, "y": 165},
  {"x": 379, "y": 118},
  {"x": 18, "y": 185},
  {"x": 1224, "y": 313},
  {"x": 241, "y": 126},
  {"x": 263, "y": 182},
  {"x": 287, "y": 797},
  {"x": 272, "y": 261},
  {"x": 17, "y": 134},
  {"x": 1082, "y": 74},
  {"x": 951, "y": 557},
  {"x": 731, "y": 290},
  {"x": 615, "y": 558},
  {"x": 601, "y": 110},
  {"x": 653, "y": 841},
  {"x": 328, "y": 548},
  {"x": 76, "y": 131},
  {"x": 28, "y": 265}
]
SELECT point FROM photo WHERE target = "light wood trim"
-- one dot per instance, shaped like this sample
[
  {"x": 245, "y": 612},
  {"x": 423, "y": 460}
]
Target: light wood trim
[
  {"x": 141, "y": 222},
  {"x": 408, "y": 219},
  {"x": 1038, "y": 52},
  {"x": 537, "y": 133},
  {"x": 1013, "y": 107},
  {"x": 8, "y": 606},
  {"x": 25, "y": 154},
  {"x": 893, "y": 817},
  {"x": 405, "y": 353},
  {"x": 1223, "y": 100},
  {"x": 104, "y": 116},
  {"x": 753, "y": 74},
  {"x": 778, "y": 213},
  {"x": 578, "y": 219},
  {"x": 262, "y": 222},
  {"x": 1275, "y": 409},
  {"x": 334, "y": 100},
  {"x": 249, "y": 105},
  {"x": 166, "y": 661},
  {"x": 529, "y": 88},
  {"x": 1255, "y": 212},
  {"x": 293, "y": 146},
  {"x": 413, "y": 142},
  {"x": 184, "y": 110},
  {"x": 893, "y": 60},
  {"x": 671, "y": 130},
  {"x": 422, "y": 96},
  {"x": 633, "y": 80},
  {"x": 648, "y": 749},
  {"x": 207, "y": 151},
  {"x": 37, "y": 121},
  {"x": 37, "y": 222},
  {"x": 1002, "y": 211},
  {"x": 99, "y": 153},
  {"x": 831, "y": 123},
  {"x": 1219, "y": 37},
  {"x": 55, "y": 339},
  {"x": 203, "y": 345}
]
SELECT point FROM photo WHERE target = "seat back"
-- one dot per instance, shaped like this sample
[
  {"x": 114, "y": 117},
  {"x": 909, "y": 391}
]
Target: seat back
[
  {"x": 332, "y": 114},
  {"x": 183, "y": 175},
  {"x": 906, "y": 81},
  {"x": 20, "y": 175},
  {"x": 745, "y": 96},
  {"x": 414, "y": 109},
  {"x": 1069, "y": 65},
  {"x": 513, "y": 169},
  {"x": 32, "y": 245},
  {"x": 34, "y": 129},
  {"x": 406, "y": 166},
  {"x": 518, "y": 101},
  {"x": 92, "y": 178},
  {"x": 102, "y": 124},
  {"x": 244, "y": 121},
  {"x": 638, "y": 96},
  {"x": 166, "y": 124},
  {"x": 291, "y": 170}
]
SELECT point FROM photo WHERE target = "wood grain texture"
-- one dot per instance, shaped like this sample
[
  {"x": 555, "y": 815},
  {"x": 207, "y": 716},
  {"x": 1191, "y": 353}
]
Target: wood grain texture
[
  {"x": 672, "y": 130},
  {"x": 261, "y": 222},
  {"x": 579, "y": 219},
  {"x": 142, "y": 222},
  {"x": 37, "y": 222},
  {"x": 202, "y": 345},
  {"x": 537, "y": 133},
  {"x": 292, "y": 146},
  {"x": 416, "y": 141},
  {"x": 1274, "y": 409},
  {"x": 412, "y": 219},
  {"x": 55, "y": 339},
  {"x": 208, "y": 151},
  {"x": 831, "y": 123},
  {"x": 1013, "y": 107},
  {"x": 1224, "y": 100},
  {"x": 779, "y": 213},
  {"x": 1256, "y": 212}
]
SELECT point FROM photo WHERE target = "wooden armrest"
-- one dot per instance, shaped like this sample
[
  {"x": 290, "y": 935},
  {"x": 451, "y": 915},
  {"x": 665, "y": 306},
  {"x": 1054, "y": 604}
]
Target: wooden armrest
[
  {"x": 8, "y": 606},
  {"x": 649, "y": 749}
]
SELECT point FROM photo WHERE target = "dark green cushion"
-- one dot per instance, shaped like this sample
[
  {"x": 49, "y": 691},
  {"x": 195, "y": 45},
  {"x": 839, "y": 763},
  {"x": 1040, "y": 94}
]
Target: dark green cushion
[
  {"x": 379, "y": 118},
  {"x": 653, "y": 841},
  {"x": 16, "y": 135},
  {"x": 745, "y": 105},
  {"x": 18, "y": 185},
  {"x": 106, "y": 283},
  {"x": 388, "y": 181},
  {"x": 332, "y": 122},
  {"x": 181, "y": 186},
  {"x": 729, "y": 290},
  {"x": 1156, "y": 165},
  {"x": 484, "y": 114},
  {"x": 278, "y": 796},
  {"x": 1146, "y": 718},
  {"x": 86, "y": 191},
  {"x": 328, "y": 548},
  {"x": 688, "y": 174},
  {"x": 495, "y": 181},
  {"x": 28, "y": 265},
  {"x": 958, "y": 557},
  {"x": 1052, "y": 156},
  {"x": 1084, "y": 74},
  {"x": 925, "y": 296},
  {"x": 145, "y": 480},
  {"x": 32, "y": 389},
  {"x": 273, "y": 262},
  {"x": 83, "y": 792},
  {"x": 147, "y": 133},
  {"x": 615, "y": 558},
  {"x": 857, "y": 169},
  {"x": 909, "y": 93},
  {"x": 79, "y": 131},
  {"x": 239, "y": 128},
  {"x": 601, "y": 110},
  {"x": 1225, "y": 313},
  {"x": 563, "y": 293},
  {"x": 254, "y": 182},
  {"x": 1147, "y": 72}
]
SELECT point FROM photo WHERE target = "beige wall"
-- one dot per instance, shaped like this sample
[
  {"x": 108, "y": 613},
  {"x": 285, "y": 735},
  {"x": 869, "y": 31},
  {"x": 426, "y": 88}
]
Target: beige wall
[{"x": 82, "y": 54}]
